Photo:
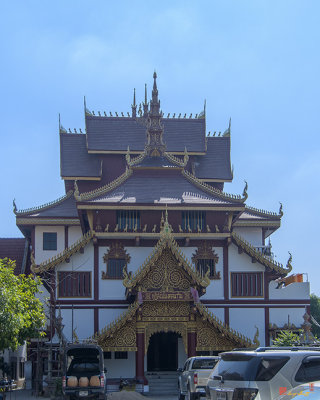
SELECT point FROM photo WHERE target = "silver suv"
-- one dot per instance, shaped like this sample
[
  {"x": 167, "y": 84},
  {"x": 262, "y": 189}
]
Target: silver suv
[{"x": 262, "y": 374}]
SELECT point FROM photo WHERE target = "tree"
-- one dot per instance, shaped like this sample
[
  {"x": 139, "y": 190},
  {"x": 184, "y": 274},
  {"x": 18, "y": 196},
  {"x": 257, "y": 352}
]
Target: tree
[
  {"x": 286, "y": 338},
  {"x": 21, "y": 312},
  {"x": 315, "y": 312}
]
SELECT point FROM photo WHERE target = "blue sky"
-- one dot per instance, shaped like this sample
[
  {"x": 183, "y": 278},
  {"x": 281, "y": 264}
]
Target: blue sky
[{"x": 254, "y": 61}]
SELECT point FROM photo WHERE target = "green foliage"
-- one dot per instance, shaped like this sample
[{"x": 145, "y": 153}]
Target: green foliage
[
  {"x": 315, "y": 312},
  {"x": 286, "y": 338},
  {"x": 21, "y": 313}
]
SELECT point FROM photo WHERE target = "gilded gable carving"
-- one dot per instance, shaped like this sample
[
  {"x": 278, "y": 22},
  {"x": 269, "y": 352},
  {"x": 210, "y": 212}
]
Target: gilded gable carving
[
  {"x": 209, "y": 338},
  {"x": 122, "y": 340},
  {"x": 177, "y": 327},
  {"x": 165, "y": 309},
  {"x": 166, "y": 275}
]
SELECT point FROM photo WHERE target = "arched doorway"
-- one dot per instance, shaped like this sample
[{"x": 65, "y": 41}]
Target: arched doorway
[{"x": 162, "y": 352}]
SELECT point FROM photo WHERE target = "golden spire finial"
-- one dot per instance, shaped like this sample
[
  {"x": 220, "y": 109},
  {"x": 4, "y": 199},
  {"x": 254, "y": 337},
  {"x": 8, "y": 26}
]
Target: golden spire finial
[
  {"x": 76, "y": 190},
  {"x": 244, "y": 193},
  {"x": 134, "y": 105},
  {"x": 281, "y": 210}
]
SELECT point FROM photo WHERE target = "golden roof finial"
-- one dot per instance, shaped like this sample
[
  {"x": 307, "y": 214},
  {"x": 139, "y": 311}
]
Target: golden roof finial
[
  {"x": 289, "y": 265},
  {"x": 186, "y": 156},
  {"x": 14, "y": 206},
  {"x": 280, "y": 210},
  {"x": 128, "y": 159},
  {"x": 244, "y": 193},
  {"x": 76, "y": 190}
]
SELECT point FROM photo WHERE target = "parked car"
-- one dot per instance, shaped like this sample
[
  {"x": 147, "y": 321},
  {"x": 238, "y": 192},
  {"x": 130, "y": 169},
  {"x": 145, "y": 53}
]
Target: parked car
[
  {"x": 194, "y": 376},
  {"x": 262, "y": 374},
  {"x": 84, "y": 373},
  {"x": 310, "y": 390}
]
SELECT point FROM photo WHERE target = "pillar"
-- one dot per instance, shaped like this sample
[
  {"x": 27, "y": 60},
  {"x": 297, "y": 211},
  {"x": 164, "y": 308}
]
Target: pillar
[
  {"x": 192, "y": 344},
  {"x": 140, "y": 358}
]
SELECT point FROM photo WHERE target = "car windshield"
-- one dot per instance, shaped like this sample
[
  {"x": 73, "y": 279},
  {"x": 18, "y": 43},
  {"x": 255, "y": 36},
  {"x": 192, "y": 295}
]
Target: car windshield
[
  {"x": 242, "y": 367},
  {"x": 204, "y": 363},
  {"x": 84, "y": 366}
]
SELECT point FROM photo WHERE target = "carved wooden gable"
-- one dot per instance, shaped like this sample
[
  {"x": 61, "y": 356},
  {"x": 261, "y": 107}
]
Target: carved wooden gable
[{"x": 166, "y": 274}]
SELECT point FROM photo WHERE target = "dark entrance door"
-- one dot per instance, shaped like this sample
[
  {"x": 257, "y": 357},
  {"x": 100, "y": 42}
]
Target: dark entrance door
[{"x": 163, "y": 352}]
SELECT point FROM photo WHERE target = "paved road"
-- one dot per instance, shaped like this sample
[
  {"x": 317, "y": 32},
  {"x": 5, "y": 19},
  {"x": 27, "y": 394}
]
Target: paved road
[{"x": 27, "y": 395}]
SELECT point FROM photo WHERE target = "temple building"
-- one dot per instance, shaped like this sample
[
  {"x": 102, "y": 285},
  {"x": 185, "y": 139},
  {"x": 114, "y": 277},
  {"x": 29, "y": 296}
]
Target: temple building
[{"x": 147, "y": 255}]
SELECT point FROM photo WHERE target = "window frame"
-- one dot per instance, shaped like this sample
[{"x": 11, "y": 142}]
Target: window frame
[
  {"x": 85, "y": 287},
  {"x": 190, "y": 219},
  {"x": 49, "y": 244},
  {"x": 242, "y": 284}
]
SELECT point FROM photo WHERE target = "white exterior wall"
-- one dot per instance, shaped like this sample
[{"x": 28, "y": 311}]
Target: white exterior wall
[
  {"x": 182, "y": 355},
  {"x": 218, "y": 312},
  {"x": 107, "y": 315},
  {"x": 74, "y": 234},
  {"x": 113, "y": 289},
  {"x": 83, "y": 322},
  {"x": 242, "y": 262},
  {"x": 245, "y": 320},
  {"x": 294, "y": 291},
  {"x": 121, "y": 368},
  {"x": 252, "y": 235},
  {"x": 280, "y": 316},
  {"x": 43, "y": 255},
  {"x": 215, "y": 289}
]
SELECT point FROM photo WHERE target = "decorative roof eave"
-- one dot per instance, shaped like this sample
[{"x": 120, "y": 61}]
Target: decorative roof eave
[
  {"x": 63, "y": 256},
  {"x": 166, "y": 240},
  {"x": 264, "y": 213},
  {"x": 213, "y": 191},
  {"x": 103, "y": 189},
  {"x": 47, "y": 221},
  {"x": 118, "y": 323},
  {"x": 223, "y": 328},
  {"x": 43, "y": 207},
  {"x": 262, "y": 259},
  {"x": 258, "y": 223}
]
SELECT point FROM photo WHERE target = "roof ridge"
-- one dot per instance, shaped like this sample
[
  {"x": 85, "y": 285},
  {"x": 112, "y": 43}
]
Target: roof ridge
[
  {"x": 211, "y": 190},
  {"x": 263, "y": 213},
  {"x": 60, "y": 257},
  {"x": 266, "y": 261},
  {"x": 103, "y": 189},
  {"x": 227, "y": 330},
  {"x": 43, "y": 206},
  {"x": 177, "y": 160}
]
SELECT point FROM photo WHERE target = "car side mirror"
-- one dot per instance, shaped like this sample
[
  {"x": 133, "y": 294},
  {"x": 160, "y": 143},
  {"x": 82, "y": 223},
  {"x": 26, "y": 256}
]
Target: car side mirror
[{"x": 180, "y": 370}]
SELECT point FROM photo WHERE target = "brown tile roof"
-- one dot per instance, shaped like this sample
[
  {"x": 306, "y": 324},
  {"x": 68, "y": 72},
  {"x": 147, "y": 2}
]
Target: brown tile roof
[
  {"x": 14, "y": 248},
  {"x": 116, "y": 134},
  {"x": 74, "y": 158},
  {"x": 215, "y": 164},
  {"x": 160, "y": 187}
]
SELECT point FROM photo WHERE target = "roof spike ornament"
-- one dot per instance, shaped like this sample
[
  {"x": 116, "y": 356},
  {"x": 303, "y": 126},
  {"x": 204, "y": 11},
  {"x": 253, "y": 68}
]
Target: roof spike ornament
[
  {"x": 155, "y": 147},
  {"x": 227, "y": 132},
  {"x": 76, "y": 192},
  {"x": 14, "y": 206},
  {"x": 145, "y": 104},
  {"x": 128, "y": 159},
  {"x": 289, "y": 262},
  {"x": 134, "y": 105},
  {"x": 281, "y": 210},
  {"x": 186, "y": 156},
  {"x": 244, "y": 193}
]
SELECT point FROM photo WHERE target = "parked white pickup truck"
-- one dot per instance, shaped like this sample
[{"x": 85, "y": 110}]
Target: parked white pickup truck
[{"x": 194, "y": 376}]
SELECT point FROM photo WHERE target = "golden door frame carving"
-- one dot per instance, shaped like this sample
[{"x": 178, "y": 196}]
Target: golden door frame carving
[{"x": 166, "y": 326}]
